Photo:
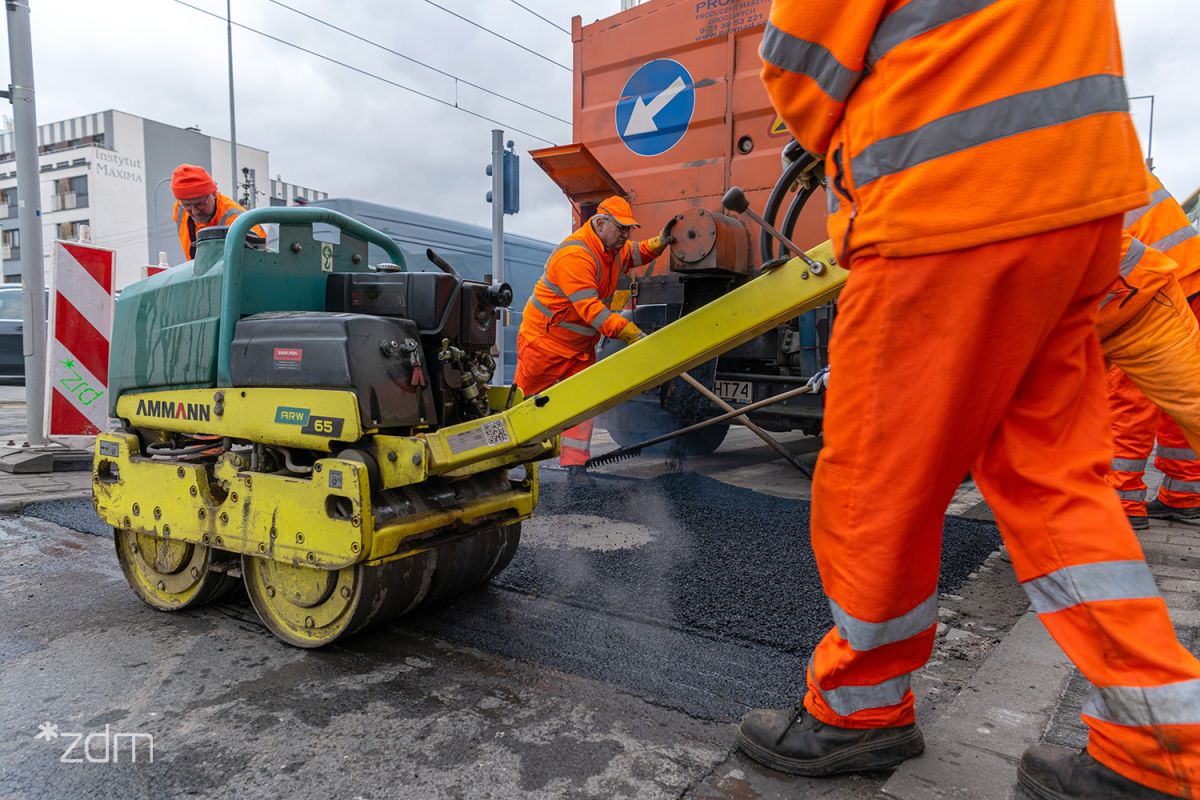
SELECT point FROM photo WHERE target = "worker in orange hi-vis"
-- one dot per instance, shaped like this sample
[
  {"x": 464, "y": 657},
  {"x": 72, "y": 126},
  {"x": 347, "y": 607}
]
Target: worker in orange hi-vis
[
  {"x": 1137, "y": 421},
  {"x": 981, "y": 156},
  {"x": 569, "y": 311},
  {"x": 198, "y": 205}
]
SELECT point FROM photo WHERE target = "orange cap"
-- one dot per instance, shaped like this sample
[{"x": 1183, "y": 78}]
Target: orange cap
[
  {"x": 618, "y": 208},
  {"x": 189, "y": 181}
]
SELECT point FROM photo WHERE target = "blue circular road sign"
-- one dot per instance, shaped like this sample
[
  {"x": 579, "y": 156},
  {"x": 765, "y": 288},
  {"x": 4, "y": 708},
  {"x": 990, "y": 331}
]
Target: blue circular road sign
[{"x": 655, "y": 107}]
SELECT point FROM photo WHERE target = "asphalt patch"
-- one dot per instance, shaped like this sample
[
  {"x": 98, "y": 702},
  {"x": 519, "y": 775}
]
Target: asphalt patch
[
  {"x": 715, "y": 613},
  {"x": 698, "y": 595}
]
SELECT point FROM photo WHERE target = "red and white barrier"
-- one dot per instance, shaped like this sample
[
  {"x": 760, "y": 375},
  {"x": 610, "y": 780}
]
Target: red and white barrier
[{"x": 81, "y": 320}]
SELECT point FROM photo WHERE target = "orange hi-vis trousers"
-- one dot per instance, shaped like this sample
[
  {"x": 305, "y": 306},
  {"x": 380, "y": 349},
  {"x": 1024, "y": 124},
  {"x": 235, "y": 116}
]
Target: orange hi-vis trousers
[
  {"x": 539, "y": 369},
  {"x": 986, "y": 359},
  {"x": 1136, "y": 415}
]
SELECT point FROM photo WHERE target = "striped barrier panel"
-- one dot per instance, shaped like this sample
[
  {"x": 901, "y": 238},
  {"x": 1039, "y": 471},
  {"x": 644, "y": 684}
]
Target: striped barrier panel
[{"x": 81, "y": 318}]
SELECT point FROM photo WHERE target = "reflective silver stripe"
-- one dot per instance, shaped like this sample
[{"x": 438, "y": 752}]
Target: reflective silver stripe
[
  {"x": 1178, "y": 453},
  {"x": 1156, "y": 198},
  {"x": 540, "y": 306},
  {"x": 577, "y": 243},
  {"x": 1169, "y": 704},
  {"x": 1008, "y": 116},
  {"x": 552, "y": 286},
  {"x": 228, "y": 215},
  {"x": 1129, "y": 464},
  {"x": 635, "y": 255},
  {"x": 1178, "y": 237},
  {"x": 1176, "y": 485},
  {"x": 1133, "y": 257},
  {"x": 781, "y": 49},
  {"x": 582, "y": 294},
  {"x": 601, "y": 318},
  {"x": 847, "y": 700},
  {"x": 578, "y": 444},
  {"x": 863, "y": 635},
  {"x": 580, "y": 329},
  {"x": 1107, "y": 299},
  {"x": 916, "y": 18},
  {"x": 1088, "y": 583},
  {"x": 1133, "y": 495}
]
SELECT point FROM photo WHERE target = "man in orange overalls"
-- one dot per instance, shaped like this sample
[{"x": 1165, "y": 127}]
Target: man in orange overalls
[
  {"x": 1137, "y": 422},
  {"x": 569, "y": 311},
  {"x": 981, "y": 156},
  {"x": 198, "y": 205}
]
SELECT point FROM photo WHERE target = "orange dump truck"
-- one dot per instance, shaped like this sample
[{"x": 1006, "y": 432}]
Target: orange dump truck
[{"x": 669, "y": 111}]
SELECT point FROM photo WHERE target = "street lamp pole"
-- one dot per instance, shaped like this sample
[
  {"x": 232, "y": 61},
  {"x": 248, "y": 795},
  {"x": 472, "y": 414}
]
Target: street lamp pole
[
  {"x": 29, "y": 202},
  {"x": 157, "y": 221},
  {"x": 232, "y": 115}
]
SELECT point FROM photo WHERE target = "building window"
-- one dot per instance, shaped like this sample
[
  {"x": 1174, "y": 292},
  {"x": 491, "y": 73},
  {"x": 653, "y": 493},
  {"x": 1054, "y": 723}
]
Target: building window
[
  {"x": 69, "y": 231},
  {"x": 8, "y": 203},
  {"x": 69, "y": 193},
  {"x": 10, "y": 244}
]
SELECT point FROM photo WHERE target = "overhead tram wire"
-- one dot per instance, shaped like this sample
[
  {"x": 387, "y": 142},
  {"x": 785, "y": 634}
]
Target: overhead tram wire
[
  {"x": 539, "y": 16},
  {"x": 497, "y": 35},
  {"x": 369, "y": 74},
  {"x": 442, "y": 72}
]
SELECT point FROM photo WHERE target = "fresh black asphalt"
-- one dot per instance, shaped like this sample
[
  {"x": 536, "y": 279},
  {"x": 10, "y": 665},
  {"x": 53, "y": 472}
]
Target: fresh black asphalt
[{"x": 716, "y": 613}]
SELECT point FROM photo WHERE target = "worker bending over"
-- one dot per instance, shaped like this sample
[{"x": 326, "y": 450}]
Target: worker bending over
[
  {"x": 569, "y": 311},
  {"x": 1163, "y": 226},
  {"x": 198, "y": 205},
  {"x": 981, "y": 156}
]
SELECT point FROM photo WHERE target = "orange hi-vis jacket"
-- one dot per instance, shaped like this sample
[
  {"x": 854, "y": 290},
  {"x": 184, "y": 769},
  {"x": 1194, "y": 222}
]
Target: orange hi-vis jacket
[
  {"x": 1143, "y": 272},
  {"x": 1163, "y": 225},
  {"x": 569, "y": 308},
  {"x": 227, "y": 211},
  {"x": 919, "y": 104}
]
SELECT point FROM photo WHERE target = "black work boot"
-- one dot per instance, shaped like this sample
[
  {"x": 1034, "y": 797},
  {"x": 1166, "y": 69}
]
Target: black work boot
[
  {"x": 1047, "y": 772},
  {"x": 1138, "y": 523},
  {"x": 1157, "y": 509},
  {"x": 793, "y": 741},
  {"x": 578, "y": 478}
]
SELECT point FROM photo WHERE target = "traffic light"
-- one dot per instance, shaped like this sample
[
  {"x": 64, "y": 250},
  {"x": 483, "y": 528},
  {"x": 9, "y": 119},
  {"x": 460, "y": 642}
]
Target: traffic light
[{"x": 511, "y": 180}]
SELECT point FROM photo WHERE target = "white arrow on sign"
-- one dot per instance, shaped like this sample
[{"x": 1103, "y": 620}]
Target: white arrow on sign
[{"x": 642, "y": 118}]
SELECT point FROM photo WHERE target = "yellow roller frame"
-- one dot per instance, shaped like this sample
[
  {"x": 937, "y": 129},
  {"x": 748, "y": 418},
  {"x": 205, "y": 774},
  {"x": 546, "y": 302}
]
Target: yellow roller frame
[
  {"x": 323, "y": 521},
  {"x": 308, "y": 418}
]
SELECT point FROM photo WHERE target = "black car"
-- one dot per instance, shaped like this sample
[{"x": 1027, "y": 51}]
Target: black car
[{"x": 12, "y": 323}]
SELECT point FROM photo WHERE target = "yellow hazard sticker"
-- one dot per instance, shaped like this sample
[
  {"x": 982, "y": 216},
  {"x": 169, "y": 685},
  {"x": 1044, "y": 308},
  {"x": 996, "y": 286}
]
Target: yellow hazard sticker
[{"x": 778, "y": 128}]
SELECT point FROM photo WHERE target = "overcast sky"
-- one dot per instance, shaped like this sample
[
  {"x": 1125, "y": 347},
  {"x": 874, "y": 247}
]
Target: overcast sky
[{"x": 329, "y": 128}]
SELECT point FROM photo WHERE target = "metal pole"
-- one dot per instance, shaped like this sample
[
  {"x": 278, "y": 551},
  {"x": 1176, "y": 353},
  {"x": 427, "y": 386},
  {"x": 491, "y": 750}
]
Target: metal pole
[
  {"x": 29, "y": 201},
  {"x": 498, "y": 237},
  {"x": 232, "y": 115},
  {"x": 157, "y": 219}
]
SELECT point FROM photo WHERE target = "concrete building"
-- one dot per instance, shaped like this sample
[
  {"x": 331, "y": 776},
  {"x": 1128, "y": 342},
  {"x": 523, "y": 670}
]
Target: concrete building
[{"x": 111, "y": 171}]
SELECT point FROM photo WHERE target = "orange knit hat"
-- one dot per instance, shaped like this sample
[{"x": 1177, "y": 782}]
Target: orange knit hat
[{"x": 189, "y": 181}]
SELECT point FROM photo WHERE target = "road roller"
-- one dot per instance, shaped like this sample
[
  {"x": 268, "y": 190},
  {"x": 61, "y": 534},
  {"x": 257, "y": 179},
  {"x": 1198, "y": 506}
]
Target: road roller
[{"x": 326, "y": 431}]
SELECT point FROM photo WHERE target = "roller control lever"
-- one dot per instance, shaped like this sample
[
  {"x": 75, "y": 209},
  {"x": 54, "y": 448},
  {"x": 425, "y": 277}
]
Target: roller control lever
[{"x": 735, "y": 200}]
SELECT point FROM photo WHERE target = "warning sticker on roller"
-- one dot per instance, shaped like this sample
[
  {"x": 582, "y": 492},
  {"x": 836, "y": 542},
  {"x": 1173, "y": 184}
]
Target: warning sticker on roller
[{"x": 492, "y": 433}]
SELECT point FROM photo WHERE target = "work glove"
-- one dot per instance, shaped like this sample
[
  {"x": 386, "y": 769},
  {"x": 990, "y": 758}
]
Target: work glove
[
  {"x": 820, "y": 381},
  {"x": 664, "y": 239},
  {"x": 630, "y": 333}
]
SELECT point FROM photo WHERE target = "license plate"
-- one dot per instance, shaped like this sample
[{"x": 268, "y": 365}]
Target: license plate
[{"x": 735, "y": 391}]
